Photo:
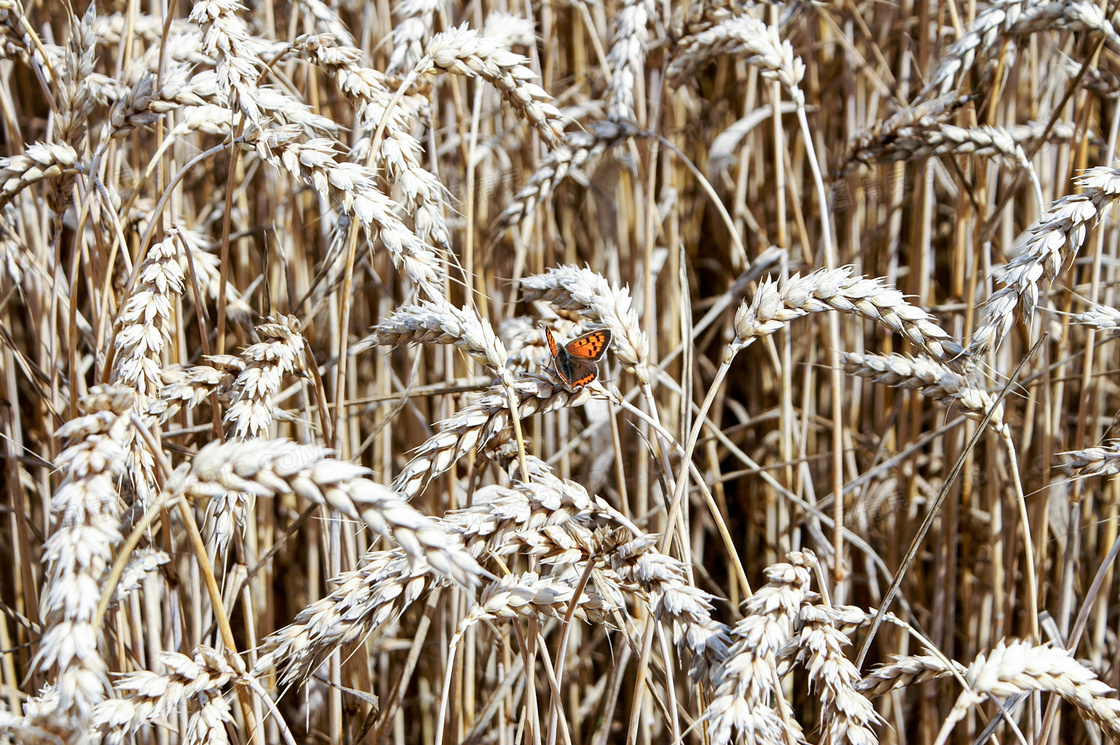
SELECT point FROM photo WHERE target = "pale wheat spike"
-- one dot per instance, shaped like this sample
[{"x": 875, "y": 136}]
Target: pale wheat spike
[
  {"x": 744, "y": 682},
  {"x": 1101, "y": 81},
  {"x": 414, "y": 25},
  {"x": 571, "y": 288},
  {"x": 462, "y": 51},
  {"x": 279, "y": 353},
  {"x": 672, "y": 599},
  {"x": 1101, "y": 317},
  {"x": 425, "y": 197},
  {"x": 509, "y": 30},
  {"x": 14, "y": 258},
  {"x": 145, "y": 321},
  {"x": 198, "y": 684},
  {"x": 354, "y": 187},
  {"x": 143, "y": 334},
  {"x": 839, "y": 290},
  {"x": 39, "y": 161},
  {"x": 1095, "y": 461},
  {"x": 566, "y": 161},
  {"x": 627, "y": 57},
  {"x": 384, "y": 585},
  {"x": 741, "y": 37},
  {"x": 847, "y": 717},
  {"x": 227, "y": 41},
  {"x": 482, "y": 425},
  {"x": 440, "y": 323},
  {"x": 941, "y": 138},
  {"x": 270, "y": 468},
  {"x": 932, "y": 378},
  {"x": 111, "y": 28},
  {"x": 499, "y": 522},
  {"x": 73, "y": 103},
  {"x": 189, "y": 386},
  {"x": 326, "y": 20},
  {"x": 144, "y": 563},
  {"x": 1021, "y": 667},
  {"x": 207, "y": 271},
  {"x": 78, "y": 554},
  {"x": 1052, "y": 241},
  {"x": 135, "y": 108},
  {"x": 905, "y": 671},
  {"x": 707, "y": 13},
  {"x": 1002, "y": 24},
  {"x": 527, "y": 594}
]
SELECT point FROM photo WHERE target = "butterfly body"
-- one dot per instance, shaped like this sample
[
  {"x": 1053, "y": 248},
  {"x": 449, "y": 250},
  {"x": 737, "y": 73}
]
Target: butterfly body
[{"x": 575, "y": 362}]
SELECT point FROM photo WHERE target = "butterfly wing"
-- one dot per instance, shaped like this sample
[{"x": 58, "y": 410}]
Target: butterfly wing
[
  {"x": 561, "y": 359},
  {"x": 551, "y": 342},
  {"x": 582, "y": 372},
  {"x": 591, "y": 346}
]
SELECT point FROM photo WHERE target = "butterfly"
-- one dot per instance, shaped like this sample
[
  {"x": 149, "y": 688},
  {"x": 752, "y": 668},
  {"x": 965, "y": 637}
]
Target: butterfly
[{"x": 575, "y": 361}]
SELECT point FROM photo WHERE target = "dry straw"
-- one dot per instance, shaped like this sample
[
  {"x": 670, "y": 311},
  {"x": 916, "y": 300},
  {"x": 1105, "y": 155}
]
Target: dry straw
[{"x": 203, "y": 215}]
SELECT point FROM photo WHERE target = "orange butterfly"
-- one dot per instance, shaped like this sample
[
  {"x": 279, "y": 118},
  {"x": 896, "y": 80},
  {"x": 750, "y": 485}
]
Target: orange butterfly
[{"x": 575, "y": 361}]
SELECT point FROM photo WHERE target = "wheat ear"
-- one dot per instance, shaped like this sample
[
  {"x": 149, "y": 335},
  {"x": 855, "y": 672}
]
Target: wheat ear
[
  {"x": 746, "y": 682},
  {"x": 464, "y": 52},
  {"x": 270, "y": 468},
  {"x": 1052, "y": 241},
  {"x": 837, "y": 289},
  {"x": 354, "y": 187},
  {"x": 78, "y": 554},
  {"x": 1003, "y": 23},
  {"x": 846, "y": 715},
  {"x": 627, "y": 57},
  {"x": 906, "y": 671},
  {"x": 934, "y": 379},
  {"x": 1020, "y": 667}
]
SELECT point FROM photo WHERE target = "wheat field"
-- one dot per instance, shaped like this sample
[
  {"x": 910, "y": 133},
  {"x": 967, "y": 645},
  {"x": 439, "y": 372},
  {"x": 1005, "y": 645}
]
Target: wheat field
[{"x": 823, "y": 451}]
